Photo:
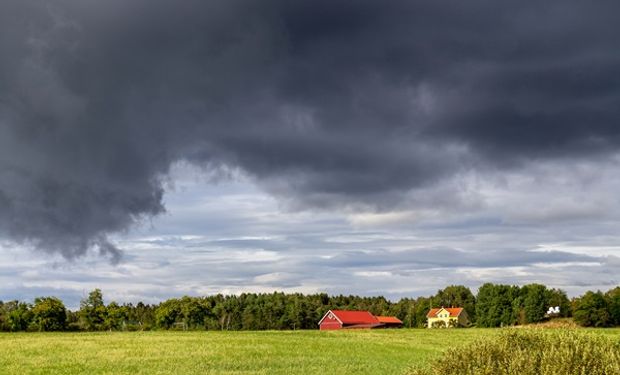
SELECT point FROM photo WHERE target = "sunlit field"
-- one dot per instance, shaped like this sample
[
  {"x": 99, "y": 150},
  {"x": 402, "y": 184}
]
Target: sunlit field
[{"x": 263, "y": 352}]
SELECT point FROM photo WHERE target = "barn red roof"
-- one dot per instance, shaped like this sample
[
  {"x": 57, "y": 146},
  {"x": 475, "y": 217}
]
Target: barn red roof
[
  {"x": 454, "y": 311},
  {"x": 389, "y": 319},
  {"x": 355, "y": 317}
]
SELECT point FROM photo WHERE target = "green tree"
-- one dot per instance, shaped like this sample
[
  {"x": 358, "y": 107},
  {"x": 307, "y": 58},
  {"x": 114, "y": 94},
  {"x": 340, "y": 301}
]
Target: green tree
[
  {"x": 535, "y": 302},
  {"x": 192, "y": 312},
  {"x": 168, "y": 313},
  {"x": 405, "y": 311},
  {"x": 3, "y": 318},
  {"x": 613, "y": 302},
  {"x": 115, "y": 317},
  {"x": 141, "y": 316},
  {"x": 495, "y": 305},
  {"x": 19, "y": 315},
  {"x": 457, "y": 296},
  {"x": 422, "y": 306},
  {"x": 93, "y": 311},
  {"x": 590, "y": 310},
  {"x": 557, "y": 297},
  {"x": 49, "y": 314}
]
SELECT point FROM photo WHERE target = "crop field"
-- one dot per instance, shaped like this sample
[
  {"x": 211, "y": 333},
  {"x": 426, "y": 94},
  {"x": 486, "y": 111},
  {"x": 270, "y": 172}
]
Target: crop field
[{"x": 259, "y": 352}]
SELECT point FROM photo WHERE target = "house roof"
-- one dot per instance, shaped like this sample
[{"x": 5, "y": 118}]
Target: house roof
[
  {"x": 453, "y": 311},
  {"x": 389, "y": 319},
  {"x": 353, "y": 317}
]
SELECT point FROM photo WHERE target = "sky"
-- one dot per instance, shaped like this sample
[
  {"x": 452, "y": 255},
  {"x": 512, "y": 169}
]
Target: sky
[{"x": 156, "y": 149}]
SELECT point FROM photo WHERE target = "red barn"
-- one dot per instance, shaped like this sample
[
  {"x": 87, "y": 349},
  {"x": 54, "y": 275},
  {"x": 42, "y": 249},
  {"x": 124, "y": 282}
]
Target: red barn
[{"x": 339, "y": 319}]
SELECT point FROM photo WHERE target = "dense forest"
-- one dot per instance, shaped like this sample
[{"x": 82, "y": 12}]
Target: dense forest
[{"x": 494, "y": 306}]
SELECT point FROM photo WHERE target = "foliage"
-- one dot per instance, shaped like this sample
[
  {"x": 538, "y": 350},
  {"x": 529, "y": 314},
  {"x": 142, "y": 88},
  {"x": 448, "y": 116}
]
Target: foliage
[
  {"x": 535, "y": 302},
  {"x": 558, "y": 298},
  {"x": 18, "y": 316},
  {"x": 495, "y": 305},
  {"x": 505, "y": 305},
  {"x": 531, "y": 352},
  {"x": 613, "y": 303},
  {"x": 93, "y": 311},
  {"x": 457, "y": 296},
  {"x": 115, "y": 317},
  {"x": 49, "y": 314},
  {"x": 591, "y": 310}
]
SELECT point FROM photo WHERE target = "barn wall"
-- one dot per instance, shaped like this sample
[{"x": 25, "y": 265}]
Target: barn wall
[{"x": 330, "y": 324}]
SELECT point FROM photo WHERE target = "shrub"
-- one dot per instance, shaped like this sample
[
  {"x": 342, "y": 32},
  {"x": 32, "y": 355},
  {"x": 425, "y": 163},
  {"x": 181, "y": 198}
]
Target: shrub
[
  {"x": 531, "y": 352},
  {"x": 74, "y": 327}
]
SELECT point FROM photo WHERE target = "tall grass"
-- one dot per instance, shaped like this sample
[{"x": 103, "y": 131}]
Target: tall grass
[{"x": 531, "y": 352}]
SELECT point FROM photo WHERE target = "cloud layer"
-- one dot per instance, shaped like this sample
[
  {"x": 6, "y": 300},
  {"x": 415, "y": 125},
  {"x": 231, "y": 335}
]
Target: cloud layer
[
  {"x": 230, "y": 237},
  {"x": 358, "y": 106}
]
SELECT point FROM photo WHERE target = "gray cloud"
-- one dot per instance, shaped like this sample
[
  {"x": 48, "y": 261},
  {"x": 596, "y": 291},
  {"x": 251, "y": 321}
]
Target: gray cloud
[
  {"x": 322, "y": 103},
  {"x": 452, "y": 258},
  {"x": 239, "y": 241}
]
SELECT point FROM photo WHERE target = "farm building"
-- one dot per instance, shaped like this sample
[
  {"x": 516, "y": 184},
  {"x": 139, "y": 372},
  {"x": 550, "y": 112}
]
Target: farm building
[
  {"x": 447, "y": 317},
  {"x": 390, "y": 321},
  {"x": 344, "y": 319}
]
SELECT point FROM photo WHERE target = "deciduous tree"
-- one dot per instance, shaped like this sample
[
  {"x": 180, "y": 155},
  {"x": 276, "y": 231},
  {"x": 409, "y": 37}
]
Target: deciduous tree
[{"x": 49, "y": 314}]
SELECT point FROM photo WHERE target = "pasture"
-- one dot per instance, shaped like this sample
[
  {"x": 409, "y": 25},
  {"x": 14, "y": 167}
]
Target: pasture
[{"x": 257, "y": 352}]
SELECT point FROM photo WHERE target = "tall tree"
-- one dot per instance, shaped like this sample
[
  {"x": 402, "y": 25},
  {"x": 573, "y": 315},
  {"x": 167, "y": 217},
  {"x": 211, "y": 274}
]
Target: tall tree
[
  {"x": 115, "y": 317},
  {"x": 613, "y": 302},
  {"x": 558, "y": 298},
  {"x": 590, "y": 310},
  {"x": 168, "y": 313},
  {"x": 535, "y": 302},
  {"x": 19, "y": 315},
  {"x": 495, "y": 305},
  {"x": 49, "y": 314},
  {"x": 457, "y": 296},
  {"x": 93, "y": 311}
]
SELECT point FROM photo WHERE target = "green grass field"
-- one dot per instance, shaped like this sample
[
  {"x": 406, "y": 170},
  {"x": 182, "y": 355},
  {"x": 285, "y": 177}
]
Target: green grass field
[{"x": 267, "y": 352}]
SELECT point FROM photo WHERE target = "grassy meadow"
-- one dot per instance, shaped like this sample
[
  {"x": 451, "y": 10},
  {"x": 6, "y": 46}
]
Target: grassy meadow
[{"x": 258, "y": 352}]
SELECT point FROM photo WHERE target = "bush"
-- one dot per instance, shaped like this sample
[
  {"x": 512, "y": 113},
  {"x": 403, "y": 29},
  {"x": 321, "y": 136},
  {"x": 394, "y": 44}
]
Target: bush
[
  {"x": 132, "y": 327},
  {"x": 531, "y": 352},
  {"x": 74, "y": 327}
]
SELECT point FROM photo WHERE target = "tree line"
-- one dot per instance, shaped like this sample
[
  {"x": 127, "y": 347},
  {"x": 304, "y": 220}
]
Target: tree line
[{"x": 495, "y": 305}]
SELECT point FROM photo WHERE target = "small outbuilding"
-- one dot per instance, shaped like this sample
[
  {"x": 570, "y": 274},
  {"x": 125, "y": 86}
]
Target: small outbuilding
[
  {"x": 390, "y": 321},
  {"x": 347, "y": 319}
]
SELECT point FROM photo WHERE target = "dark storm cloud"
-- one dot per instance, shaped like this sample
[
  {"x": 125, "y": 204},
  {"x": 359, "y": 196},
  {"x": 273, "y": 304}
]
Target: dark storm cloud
[{"x": 322, "y": 102}]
